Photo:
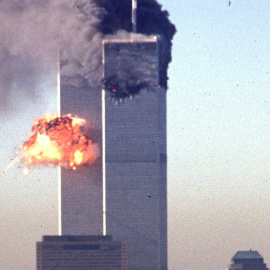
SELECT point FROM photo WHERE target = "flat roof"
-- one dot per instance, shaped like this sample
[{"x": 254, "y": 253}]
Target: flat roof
[
  {"x": 131, "y": 37},
  {"x": 76, "y": 238}
]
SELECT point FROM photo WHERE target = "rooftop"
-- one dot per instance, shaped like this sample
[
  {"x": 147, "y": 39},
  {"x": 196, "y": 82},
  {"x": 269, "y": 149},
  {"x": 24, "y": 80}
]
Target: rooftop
[
  {"x": 76, "y": 238},
  {"x": 247, "y": 255},
  {"x": 131, "y": 37}
]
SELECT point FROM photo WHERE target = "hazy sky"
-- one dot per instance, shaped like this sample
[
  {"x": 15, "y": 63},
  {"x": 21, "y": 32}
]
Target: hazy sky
[{"x": 218, "y": 143}]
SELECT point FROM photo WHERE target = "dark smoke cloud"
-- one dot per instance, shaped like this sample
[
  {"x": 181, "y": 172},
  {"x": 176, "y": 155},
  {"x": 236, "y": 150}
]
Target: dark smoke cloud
[
  {"x": 120, "y": 88},
  {"x": 33, "y": 31},
  {"x": 151, "y": 20}
]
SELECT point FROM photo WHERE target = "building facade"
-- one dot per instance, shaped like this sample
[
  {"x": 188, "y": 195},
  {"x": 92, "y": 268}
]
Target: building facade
[
  {"x": 134, "y": 150},
  {"x": 81, "y": 253},
  {"x": 247, "y": 260},
  {"x": 81, "y": 191}
]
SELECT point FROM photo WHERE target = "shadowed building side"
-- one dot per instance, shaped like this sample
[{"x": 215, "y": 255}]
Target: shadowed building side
[
  {"x": 80, "y": 191},
  {"x": 135, "y": 146}
]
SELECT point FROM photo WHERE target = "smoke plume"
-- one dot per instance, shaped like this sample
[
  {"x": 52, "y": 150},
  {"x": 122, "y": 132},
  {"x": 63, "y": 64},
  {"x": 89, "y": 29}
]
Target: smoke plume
[{"x": 33, "y": 31}]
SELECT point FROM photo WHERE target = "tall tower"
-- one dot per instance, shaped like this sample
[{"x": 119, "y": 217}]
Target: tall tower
[
  {"x": 134, "y": 150},
  {"x": 80, "y": 196}
]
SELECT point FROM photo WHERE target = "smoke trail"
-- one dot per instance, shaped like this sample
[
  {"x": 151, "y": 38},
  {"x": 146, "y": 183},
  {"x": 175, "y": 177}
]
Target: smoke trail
[{"x": 32, "y": 32}]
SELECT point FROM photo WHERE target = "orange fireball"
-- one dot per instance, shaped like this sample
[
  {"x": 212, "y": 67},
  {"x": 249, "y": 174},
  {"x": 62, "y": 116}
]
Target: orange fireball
[{"x": 59, "y": 141}]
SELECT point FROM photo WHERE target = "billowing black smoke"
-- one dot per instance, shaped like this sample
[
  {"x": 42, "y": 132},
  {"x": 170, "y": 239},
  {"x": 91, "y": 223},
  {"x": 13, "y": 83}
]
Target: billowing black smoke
[
  {"x": 151, "y": 20},
  {"x": 121, "y": 88},
  {"x": 33, "y": 31}
]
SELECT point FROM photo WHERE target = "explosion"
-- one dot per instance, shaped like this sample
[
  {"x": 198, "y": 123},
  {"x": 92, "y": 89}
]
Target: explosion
[
  {"x": 120, "y": 88},
  {"x": 62, "y": 141}
]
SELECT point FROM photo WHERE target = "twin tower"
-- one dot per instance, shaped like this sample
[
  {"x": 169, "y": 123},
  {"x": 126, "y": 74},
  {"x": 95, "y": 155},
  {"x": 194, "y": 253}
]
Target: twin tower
[{"x": 124, "y": 193}]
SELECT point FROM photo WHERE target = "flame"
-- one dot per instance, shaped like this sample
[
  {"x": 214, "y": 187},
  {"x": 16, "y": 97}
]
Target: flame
[
  {"x": 59, "y": 141},
  {"x": 25, "y": 171}
]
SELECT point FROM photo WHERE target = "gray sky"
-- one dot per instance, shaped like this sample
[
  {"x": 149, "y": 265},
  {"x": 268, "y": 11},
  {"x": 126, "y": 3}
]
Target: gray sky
[{"x": 218, "y": 142}]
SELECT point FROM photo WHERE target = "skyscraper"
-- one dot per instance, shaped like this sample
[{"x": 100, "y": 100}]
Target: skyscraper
[
  {"x": 134, "y": 149},
  {"x": 132, "y": 189},
  {"x": 247, "y": 260},
  {"x": 80, "y": 191},
  {"x": 124, "y": 192}
]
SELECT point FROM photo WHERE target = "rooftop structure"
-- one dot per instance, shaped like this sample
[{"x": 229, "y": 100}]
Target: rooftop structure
[{"x": 247, "y": 260}]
